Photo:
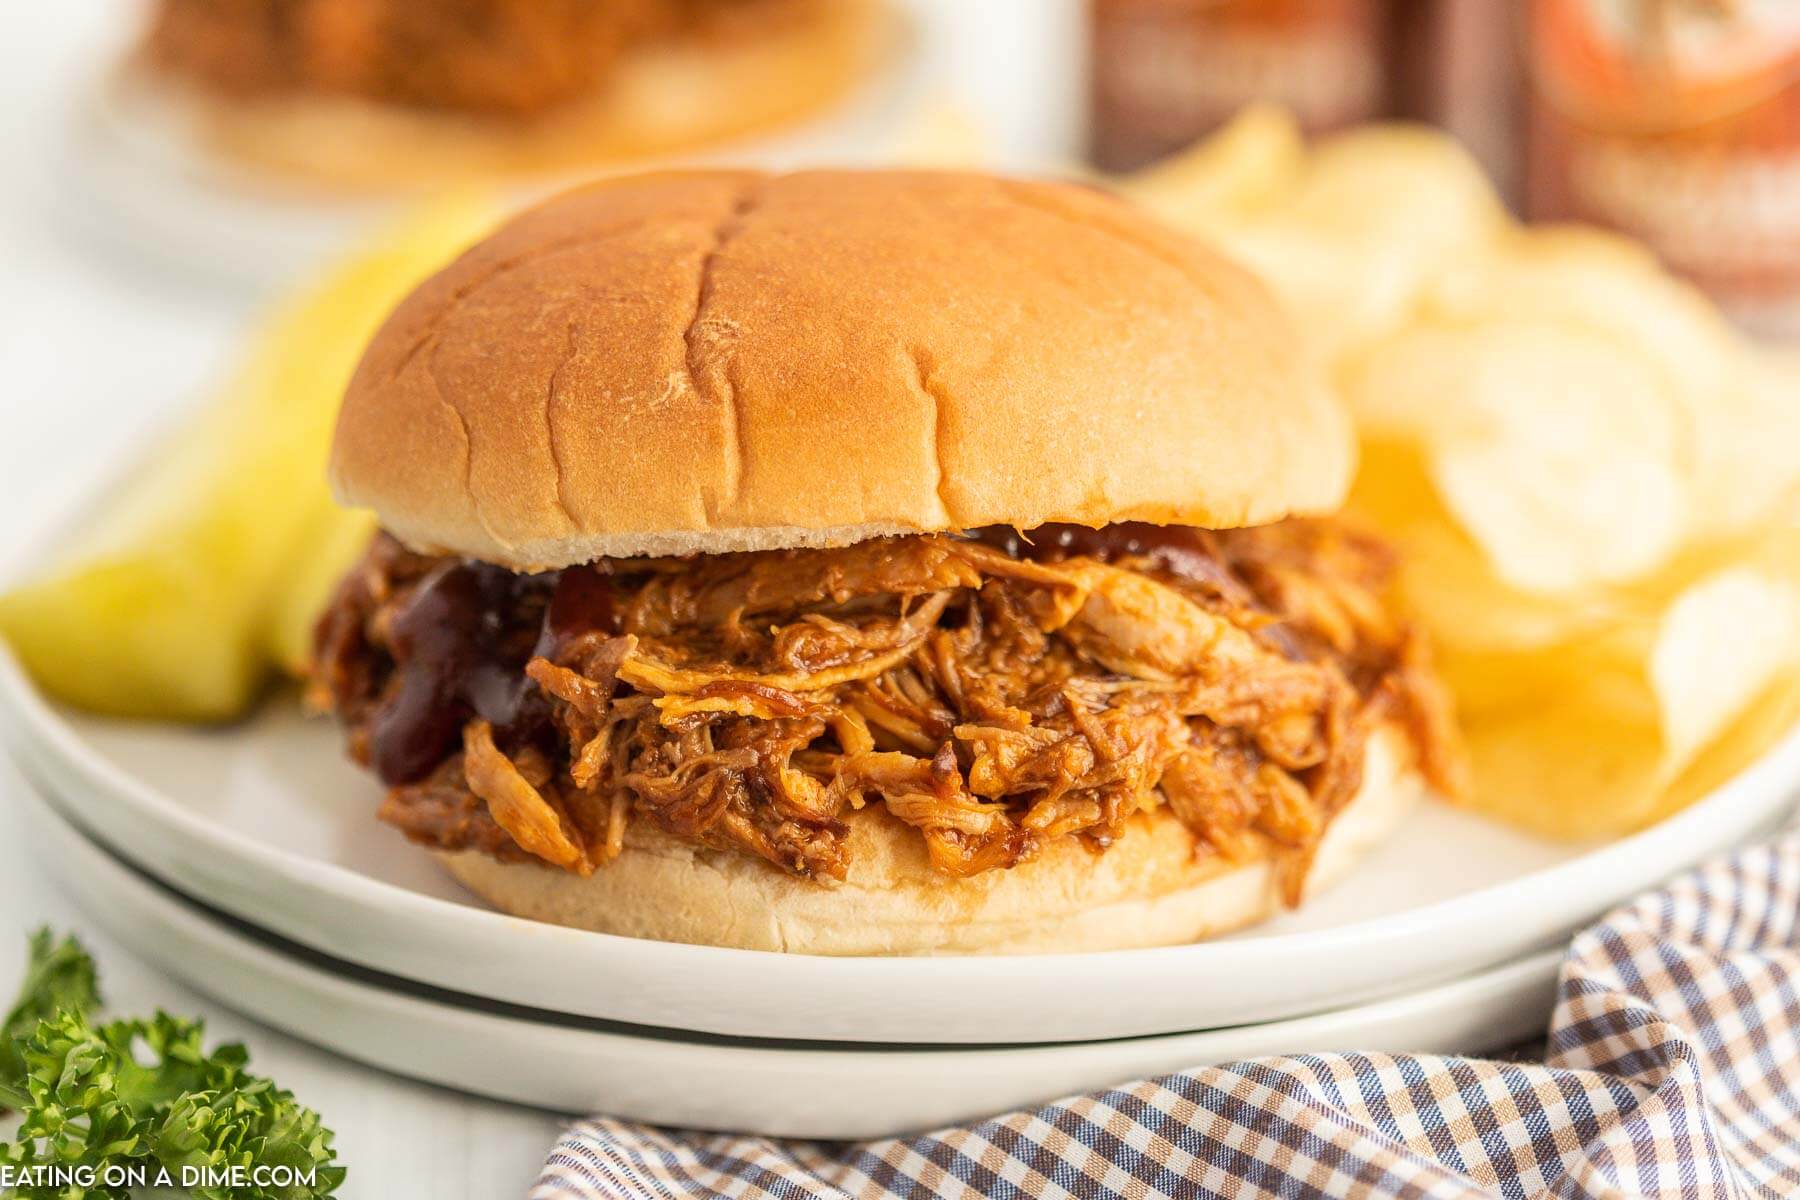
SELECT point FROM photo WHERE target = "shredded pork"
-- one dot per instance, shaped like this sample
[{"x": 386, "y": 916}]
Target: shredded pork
[{"x": 994, "y": 692}]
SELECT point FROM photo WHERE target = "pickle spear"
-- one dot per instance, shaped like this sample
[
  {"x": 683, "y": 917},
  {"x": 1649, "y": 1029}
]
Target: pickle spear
[{"x": 185, "y": 590}]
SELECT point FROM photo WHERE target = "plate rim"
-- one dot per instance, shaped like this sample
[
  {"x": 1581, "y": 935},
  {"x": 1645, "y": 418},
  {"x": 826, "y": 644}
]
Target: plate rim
[
  {"x": 91, "y": 859},
  {"x": 40, "y": 740}
]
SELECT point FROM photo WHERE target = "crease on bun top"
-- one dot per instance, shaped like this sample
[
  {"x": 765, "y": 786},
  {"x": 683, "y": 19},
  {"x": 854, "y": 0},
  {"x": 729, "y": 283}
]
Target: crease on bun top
[{"x": 711, "y": 361}]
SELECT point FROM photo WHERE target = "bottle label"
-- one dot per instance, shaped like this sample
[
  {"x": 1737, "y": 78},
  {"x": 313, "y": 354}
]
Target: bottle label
[{"x": 1166, "y": 72}]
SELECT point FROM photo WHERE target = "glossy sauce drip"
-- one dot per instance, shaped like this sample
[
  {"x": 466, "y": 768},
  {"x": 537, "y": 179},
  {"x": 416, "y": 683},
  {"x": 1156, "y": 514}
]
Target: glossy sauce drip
[
  {"x": 581, "y": 602},
  {"x": 460, "y": 645}
]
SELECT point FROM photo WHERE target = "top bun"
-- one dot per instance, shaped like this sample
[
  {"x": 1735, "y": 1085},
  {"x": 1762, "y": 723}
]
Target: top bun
[{"x": 709, "y": 361}]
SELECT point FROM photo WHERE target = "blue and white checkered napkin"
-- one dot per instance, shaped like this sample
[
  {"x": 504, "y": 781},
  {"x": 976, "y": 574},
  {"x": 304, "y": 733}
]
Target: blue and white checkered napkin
[{"x": 1673, "y": 1070}]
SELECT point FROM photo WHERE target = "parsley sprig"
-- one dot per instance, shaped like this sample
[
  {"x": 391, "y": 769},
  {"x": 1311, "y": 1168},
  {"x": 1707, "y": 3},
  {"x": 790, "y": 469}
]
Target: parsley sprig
[
  {"x": 59, "y": 977},
  {"x": 142, "y": 1093}
]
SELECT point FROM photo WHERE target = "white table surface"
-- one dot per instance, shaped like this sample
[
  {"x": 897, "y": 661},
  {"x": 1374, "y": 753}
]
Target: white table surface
[{"x": 96, "y": 354}]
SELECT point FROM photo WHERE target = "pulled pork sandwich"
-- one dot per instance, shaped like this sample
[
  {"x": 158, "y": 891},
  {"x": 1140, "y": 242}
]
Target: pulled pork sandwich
[
  {"x": 390, "y": 92},
  {"x": 866, "y": 563}
]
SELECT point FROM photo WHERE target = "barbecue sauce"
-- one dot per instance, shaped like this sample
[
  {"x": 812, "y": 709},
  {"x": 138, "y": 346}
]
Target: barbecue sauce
[
  {"x": 461, "y": 642},
  {"x": 460, "y": 645}
]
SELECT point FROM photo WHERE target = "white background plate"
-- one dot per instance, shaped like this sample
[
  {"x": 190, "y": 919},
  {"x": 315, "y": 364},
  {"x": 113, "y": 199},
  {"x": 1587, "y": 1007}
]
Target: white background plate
[
  {"x": 268, "y": 821},
  {"x": 789, "y": 1090}
]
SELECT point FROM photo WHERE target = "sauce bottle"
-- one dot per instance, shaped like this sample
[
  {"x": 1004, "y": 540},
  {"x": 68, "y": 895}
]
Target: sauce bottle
[
  {"x": 1167, "y": 72},
  {"x": 1678, "y": 122}
]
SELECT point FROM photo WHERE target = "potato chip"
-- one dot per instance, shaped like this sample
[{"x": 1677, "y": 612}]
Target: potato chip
[
  {"x": 1586, "y": 469},
  {"x": 1374, "y": 216},
  {"x": 1748, "y": 468},
  {"x": 1739, "y": 407},
  {"x": 1722, "y": 642},
  {"x": 1600, "y": 735},
  {"x": 1591, "y": 279},
  {"x": 1342, "y": 294},
  {"x": 1348, "y": 233},
  {"x": 1248, "y": 165},
  {"x": 1575, "y": 765},
  {"x": 1447, "y": 579},
  {"x": 1769, "y": 720},
  {"x": 1408, "y": 187},
  {"x": 1557, "y": 450}
]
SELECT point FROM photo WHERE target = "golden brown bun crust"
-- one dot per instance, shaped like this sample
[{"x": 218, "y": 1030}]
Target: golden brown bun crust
[
  {"x": 714, "y": 361},
  {"x": 1148, "y": 889},
  {"x": 662, "y": 98}
]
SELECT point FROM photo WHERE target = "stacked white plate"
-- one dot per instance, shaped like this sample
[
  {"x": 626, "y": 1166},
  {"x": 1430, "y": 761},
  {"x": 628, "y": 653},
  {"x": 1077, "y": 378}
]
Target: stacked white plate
[{"x": 246, "y": 862}]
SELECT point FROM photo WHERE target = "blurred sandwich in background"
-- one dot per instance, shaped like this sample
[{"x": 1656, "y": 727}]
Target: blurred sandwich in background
[{"x": 371, "y": 93}]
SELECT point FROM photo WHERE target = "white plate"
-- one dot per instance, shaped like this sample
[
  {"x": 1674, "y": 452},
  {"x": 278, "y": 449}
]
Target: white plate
[
  {"x": 268, "y": 822},
  {"x": 791, "y": 1089}
]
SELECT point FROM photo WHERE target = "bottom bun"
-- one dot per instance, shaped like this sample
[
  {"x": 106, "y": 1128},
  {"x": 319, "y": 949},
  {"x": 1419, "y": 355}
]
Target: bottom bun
[{"x": 1154, "y": 886}]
